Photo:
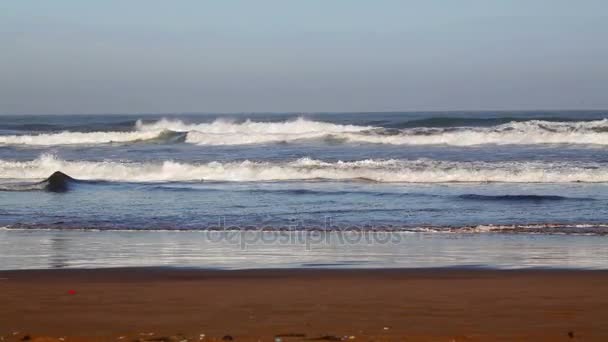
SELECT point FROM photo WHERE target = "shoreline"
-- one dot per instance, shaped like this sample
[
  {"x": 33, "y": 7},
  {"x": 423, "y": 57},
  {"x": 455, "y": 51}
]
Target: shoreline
[
  {"x": 58, "y": 249},
  {"x": 330, "y": 268},
  {"x": 445, "y": 304}
]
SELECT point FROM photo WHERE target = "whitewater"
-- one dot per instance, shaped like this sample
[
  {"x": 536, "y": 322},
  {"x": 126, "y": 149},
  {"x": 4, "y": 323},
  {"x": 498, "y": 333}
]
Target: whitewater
[
  {"x": 384, "y": 171},
  {"x": 223, "y": 132}
]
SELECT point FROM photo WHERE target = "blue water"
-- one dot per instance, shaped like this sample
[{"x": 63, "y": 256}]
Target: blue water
[{"x": 496, "y": 174}]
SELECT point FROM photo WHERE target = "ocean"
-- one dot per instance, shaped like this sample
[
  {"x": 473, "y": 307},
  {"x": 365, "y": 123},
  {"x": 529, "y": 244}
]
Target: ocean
[{"x": 415, "y": 189}]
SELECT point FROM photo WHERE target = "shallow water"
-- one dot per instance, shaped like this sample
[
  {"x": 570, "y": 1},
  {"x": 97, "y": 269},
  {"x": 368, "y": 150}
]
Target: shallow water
[{"x": 35, "y": 249}]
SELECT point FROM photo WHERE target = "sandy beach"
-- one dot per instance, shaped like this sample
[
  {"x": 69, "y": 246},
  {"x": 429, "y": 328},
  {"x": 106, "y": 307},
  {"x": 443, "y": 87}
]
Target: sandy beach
[{"x": 163, "y": 304}]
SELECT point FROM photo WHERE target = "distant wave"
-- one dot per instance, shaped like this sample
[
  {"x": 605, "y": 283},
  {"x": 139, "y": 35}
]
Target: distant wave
[
  {"x": 85, "y": 138},
  {"x": 93, "y": 126},
  {"x": 407, "y": 171},
  {"x": 226, "y": 132},
  {"x": 455, "y": 121},
  {"x": 513, "y": 133}
]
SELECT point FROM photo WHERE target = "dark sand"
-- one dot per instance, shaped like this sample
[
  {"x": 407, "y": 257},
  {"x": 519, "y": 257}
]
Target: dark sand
[{"x": 360, "y": 305}]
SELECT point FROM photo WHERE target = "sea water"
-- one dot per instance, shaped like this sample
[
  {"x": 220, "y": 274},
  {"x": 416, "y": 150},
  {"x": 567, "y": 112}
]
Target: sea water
[{"x": 496, "y": 189}]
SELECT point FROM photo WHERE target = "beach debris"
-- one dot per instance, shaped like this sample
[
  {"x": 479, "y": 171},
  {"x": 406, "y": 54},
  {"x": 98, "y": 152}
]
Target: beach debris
[
  {"x": 72, "y": 292},
  {"x": 201, "y": 336},
  {"x": 278, "y": 339},
  {"x": 16, "y": 333},
  {"x": 386, "y": 328},
  {"x": 227, "y": 338},
  {"x": 26, "y": 338},
  {"x": 121, "y": 337},
  {"x": 571, "y": 334}
]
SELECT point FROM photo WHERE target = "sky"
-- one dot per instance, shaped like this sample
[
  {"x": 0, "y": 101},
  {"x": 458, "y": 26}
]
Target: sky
[{"x": 148, "y": 56}]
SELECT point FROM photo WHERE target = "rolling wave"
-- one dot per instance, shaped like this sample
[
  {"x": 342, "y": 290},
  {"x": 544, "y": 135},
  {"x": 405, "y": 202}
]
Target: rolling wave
[
  {"x": 225, "y": 132},
  {"x": 519, "y": 133},
  {"x": 91, "y": 126},
  {"x": 464, "y": 121},
  {"x": 83, "y": 138},
  {"x": 404, "y": 171},
  {"x": 513, "y": 133}
]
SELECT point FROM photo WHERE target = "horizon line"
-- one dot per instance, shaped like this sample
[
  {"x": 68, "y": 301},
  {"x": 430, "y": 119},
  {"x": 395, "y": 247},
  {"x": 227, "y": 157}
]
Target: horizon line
[{"x": 316, "y": 112}]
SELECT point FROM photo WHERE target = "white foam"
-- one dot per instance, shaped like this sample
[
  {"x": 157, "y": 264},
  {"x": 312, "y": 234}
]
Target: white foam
[
  {"x": 514, "y": 133},
  {"x": 408, "y": 171},
  {"x": 222, "y": 132},
  {"x": 545, "y": 228},
  {"x": 225, "y": 132}
]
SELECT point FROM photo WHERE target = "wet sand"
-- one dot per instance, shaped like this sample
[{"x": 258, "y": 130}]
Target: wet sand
[{"x": 162, "y": 304}]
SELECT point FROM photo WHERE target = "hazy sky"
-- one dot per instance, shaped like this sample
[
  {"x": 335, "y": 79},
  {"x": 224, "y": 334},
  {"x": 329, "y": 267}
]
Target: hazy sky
[{"x": 131, "y": 56}]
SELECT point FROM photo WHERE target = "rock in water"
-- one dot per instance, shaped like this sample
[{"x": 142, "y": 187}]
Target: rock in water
[{"x": 58, "y": 182}]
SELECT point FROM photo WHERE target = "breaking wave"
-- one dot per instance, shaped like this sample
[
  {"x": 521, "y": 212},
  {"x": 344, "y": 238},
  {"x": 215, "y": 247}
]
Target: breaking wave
[
  {"x": 405, "y": 171},
  {"x": 85, "y": 138},
  {"x": 222, "y": 132},
  {"x": 514, "y": 133},
  {"x": 226, "y": 132}
]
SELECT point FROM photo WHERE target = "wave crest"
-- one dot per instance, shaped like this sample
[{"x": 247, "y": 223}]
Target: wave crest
[
  {"x": 404, "y": 171},
  {"x": 222, "y": 132},
  {"x": 513, "y": 133},
  {"x": 226, "y": 132}
]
